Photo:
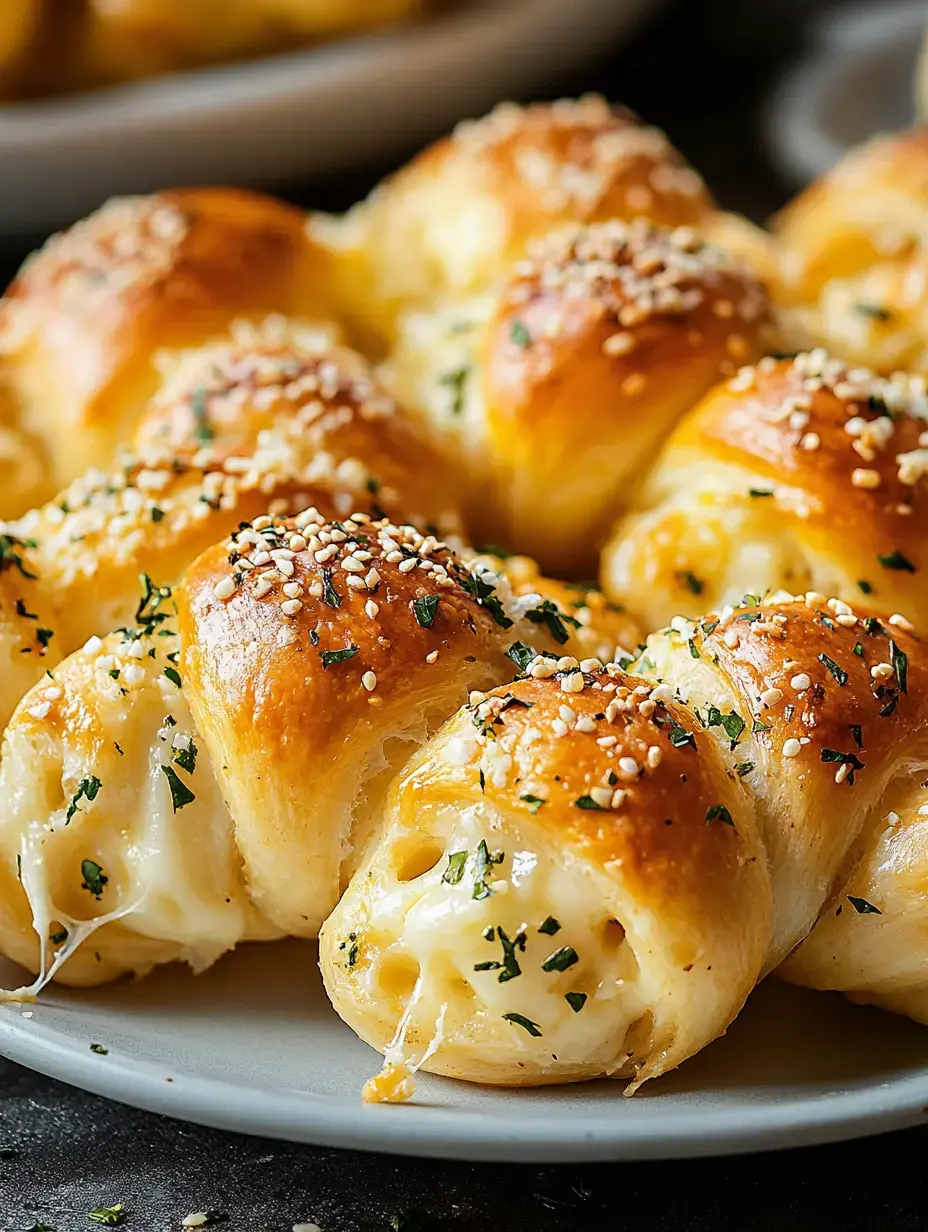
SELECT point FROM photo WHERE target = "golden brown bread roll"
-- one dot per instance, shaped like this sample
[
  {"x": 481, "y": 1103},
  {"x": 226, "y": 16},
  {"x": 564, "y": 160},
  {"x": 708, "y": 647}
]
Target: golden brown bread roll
[
  {"x": 83, "y": 318},
  {"x": 803, "y": 474},
  {"x": 585, "y": 872},
  {"x": 238, "y": 427},
  {"x": 854, "y": 267},
  {"x": 554, "y": 393},
  {"x": 313, "y": 657},
  {"x": 453, "y": 220}
]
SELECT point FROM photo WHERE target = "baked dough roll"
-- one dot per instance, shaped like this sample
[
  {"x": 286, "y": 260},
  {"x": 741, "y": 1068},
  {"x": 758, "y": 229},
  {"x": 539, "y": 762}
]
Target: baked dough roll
[
  {"x": 556, "y": 392},
  {"x": 854, "y": 269},
  {"x": 297, "y": 686},
  {"x": 871, "y": 940},
  {"x": 81, "y": 321},
  {"x": 237, "y": 428},
  {"x": 452, "y": 221},
  {"x": 606, "y": 863},
  {"x": 117, "y": 851},
  {"x": 546, "y": 901},
  {"x": 318, "y": 656},
  {"x": 801, "y": 474}
]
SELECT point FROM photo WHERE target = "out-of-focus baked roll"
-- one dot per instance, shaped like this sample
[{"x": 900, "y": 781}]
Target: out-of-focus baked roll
[
  {"x": 452, "y": 221},
  {"x": 83, "y": 318},
  {"x": 801, "y": 474},
  {"x": 18, "y": 21},
  {"x": 318, "y": 656},
  {"x": 852, "y": 247},
  {"x": 583, "y": 873},
  {"x": 554, "y": 393}
]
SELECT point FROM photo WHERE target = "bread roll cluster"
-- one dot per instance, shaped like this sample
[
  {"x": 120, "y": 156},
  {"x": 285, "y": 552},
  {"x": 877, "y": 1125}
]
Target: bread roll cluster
[{"x": 297, "y": 625}]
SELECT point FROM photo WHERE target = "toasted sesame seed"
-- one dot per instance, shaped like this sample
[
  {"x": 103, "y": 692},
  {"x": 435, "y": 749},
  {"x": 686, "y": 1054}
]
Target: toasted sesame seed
[
  {"x": 572, "y": 683},
  {"x": 432, "y": 656},
  {"x": 371, "y": 609},
  {"x": 842, "y": 772},
  {"x": 224, "y": 588},
  {"x": 369, "y": 680},
  {"x": 810, "y": 442},
  {"x": 559, "y": 727},
  {"x": 655, "y": 756},
  {"x": 800, "y": 682},
  {"x": 865, "y": 478},
  {"x": 291, "y": 606},
  {"x": 291, "y": 589},
  {"x": 901, "y": 622},
  {"x": 791, "y": 747},
  {"x": 628, "y": 768}
]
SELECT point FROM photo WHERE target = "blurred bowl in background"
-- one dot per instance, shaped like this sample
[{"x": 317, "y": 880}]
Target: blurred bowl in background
[
  {"x": 265, "y": 121},
  {"x": 859, "y": 77}
]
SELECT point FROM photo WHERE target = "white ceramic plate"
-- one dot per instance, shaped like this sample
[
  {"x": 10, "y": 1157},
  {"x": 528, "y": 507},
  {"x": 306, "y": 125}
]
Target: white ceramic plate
[
  {"x": 254, "y": 1046},
  {"x": 856, "y": 79},
  {"x": 269, "y": 120}
]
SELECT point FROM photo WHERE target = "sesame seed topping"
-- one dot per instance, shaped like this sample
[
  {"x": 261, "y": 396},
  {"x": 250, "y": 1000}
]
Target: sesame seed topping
[{"x": 791, "y": 747}]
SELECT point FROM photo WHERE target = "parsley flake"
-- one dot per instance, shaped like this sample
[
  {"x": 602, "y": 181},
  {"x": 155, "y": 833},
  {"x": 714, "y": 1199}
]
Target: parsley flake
[
  {"x": 87, "y": 789},
  {"x": 424, "y": 610},
  {"x": 718, "y": 812},
  {"x": 576, "y": 1000},
  {"x": 862, "y": 907},
  {"x": 330, "y": 657},
  {"x": 94, "y": 878},
  {"x": 525, "y": 1023},
  {"x": 181, "y": 795}
]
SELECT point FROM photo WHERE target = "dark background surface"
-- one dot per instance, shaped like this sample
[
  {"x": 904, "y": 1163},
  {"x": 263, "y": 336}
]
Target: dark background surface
[{"x": 700, "y": 70}]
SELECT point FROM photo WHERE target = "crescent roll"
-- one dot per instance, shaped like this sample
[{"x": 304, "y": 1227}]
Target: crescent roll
[
  {"x": 801, "y": 474},
  {"x": 313, "y": 656},
  {"x": 238, "y": 427},
  {"x": 453, "y": 220},
  {"x": 854, "y": 266},
  {"x": 585, "y": 872},
  {"x": 81, "y": 321},
  {"x": 555, "y": 392}
]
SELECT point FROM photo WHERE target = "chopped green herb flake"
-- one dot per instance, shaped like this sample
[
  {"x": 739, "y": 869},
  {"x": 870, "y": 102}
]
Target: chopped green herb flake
[
  {"x": 862, "y": 907},
  {"x": 534, "y": 802},
  {"x": 100, "y": 1050},
  {"x": 549, "y": 614},
  {"x": 525, "y": 1023},
  {"x": 173, "y": 675},
  {"x": 521, "y": 655},
  {"x": 561, "y": 959},
  {"x": 94, "y": 878},
  {"x": 181, "y": 795},
  {"x": 587, "y": 802},
  {"x": 330, "y": 657},
  {"x": 895, "y": 560},
  {"x": 718, "y": 812},
  {"x": 576, "y": 1000},
  {"x": 455, "y": 382},
  {"x": 836, "y": 670},
  {"x": 424, "y": 610},
  {"x": 109, "y": 1216},
  {"x": 483, "y": 868},
  {"x": 87, "y": 789},
  {"x": 455, "y": 870},
  {"x": 694, "y": 584},
  {"x": 520, "y": 334},
  {"x": 865, "y": 587},
  {"x": 329, "y": 594},
  {"x": 900, "y": 662},
  {"x": 549, "y": 926}
]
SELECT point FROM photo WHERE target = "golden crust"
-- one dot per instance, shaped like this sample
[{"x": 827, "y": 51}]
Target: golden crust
[
  {"x": 815, "y": 705},
  {"x": 82, "y": 319},
  {"x": 468, "y": 205},
  {"x": 347, "y": 636},
  {"x": 599, "y": 341},
  {"x": 800, "y": 473}
]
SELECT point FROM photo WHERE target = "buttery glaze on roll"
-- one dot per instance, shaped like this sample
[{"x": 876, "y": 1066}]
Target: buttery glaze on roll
[
  {"x": 546, "y": 901},
  {"x": 585, "y": 873},
  {"x": 319, "y": 656},
  {"x": 801, "y": 474},
  {"x": 81, "y": 321},
  {"x": 854, "y": 264},
  {"x": 452, "y": 221},
  {"x": 555, "y": 393},
  {"x": 237, "y": 428}
]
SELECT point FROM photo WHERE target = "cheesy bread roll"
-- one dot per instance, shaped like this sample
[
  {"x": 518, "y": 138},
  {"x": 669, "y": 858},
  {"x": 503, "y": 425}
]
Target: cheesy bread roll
[
  {"x": 81, "y": 321},
  {"x": 452, "y": 221},
  {"x": 555, "y": 393},
  {"x": 583, "y": 874},
  {"x": 801, "y": 474},
  {"x": 310, "y": 652},
  {"x": 853, "y": 256},
  {"x": 238, "y": 427},
  {"x": 297, "y": 633}
]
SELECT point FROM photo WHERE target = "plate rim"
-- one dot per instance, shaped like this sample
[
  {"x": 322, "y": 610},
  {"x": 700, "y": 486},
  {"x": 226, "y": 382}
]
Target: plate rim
[{"x": 458, "y": 1133}]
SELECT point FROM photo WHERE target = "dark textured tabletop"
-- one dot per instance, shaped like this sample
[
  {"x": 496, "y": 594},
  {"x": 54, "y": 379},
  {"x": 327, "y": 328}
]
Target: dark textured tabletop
[{"x": 701, "y": 70}]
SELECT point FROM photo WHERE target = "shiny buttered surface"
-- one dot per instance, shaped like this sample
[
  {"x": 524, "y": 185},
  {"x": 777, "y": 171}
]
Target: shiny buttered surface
[
  {"x": 295, "y": 625},
  {"x": 584, "y": 873}
]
